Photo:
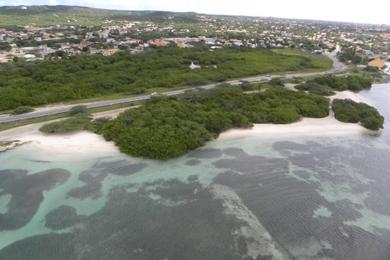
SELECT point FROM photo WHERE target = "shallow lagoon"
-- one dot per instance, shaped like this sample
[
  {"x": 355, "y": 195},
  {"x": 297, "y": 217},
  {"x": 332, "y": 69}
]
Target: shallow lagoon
[{"x": 246, "y": 198}]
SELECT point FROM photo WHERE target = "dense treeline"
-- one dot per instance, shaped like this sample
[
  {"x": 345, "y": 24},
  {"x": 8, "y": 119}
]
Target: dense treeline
[
  {"x": 22, "y": 110},
  {"x": 165, "y": 128},
  {"x": 349, "y": 111},
  {"x": 80, "y": 77},
  {"x": 326, "y": 85},
  {"x": 350, "y": 55}
]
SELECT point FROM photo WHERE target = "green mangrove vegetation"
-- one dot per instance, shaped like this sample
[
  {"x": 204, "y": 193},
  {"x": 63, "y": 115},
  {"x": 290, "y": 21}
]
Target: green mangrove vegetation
[
  {"x": 349, "y": 111},
  {"x": 91, "y": 76},
  {"x": 22, "y": 110},
  {"x": 326, "y": 85},
  {"x": 168, "y": 127},
  {"x": 165, "y": 128}
]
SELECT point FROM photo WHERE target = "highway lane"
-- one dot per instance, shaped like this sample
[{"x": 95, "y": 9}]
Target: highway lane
[{"x": 338, "y": 67}]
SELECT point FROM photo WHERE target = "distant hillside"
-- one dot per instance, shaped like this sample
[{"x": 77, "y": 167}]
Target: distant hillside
[{"x": 75, "y": 15}]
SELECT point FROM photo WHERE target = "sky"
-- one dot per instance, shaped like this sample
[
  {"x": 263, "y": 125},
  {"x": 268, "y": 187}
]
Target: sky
[{"x": 361, "y": 11}]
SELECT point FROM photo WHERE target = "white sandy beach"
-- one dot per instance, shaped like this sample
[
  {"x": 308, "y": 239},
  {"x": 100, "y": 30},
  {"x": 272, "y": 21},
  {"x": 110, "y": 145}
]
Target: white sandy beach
[
  {"x": 306, "y": 127},
  {"x": 328, "y": 126},
  {"x": 60, "y": 145}
]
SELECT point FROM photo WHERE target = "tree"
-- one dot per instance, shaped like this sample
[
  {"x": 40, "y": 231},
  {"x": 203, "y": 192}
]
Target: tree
[{"x": 22, "y": 110}]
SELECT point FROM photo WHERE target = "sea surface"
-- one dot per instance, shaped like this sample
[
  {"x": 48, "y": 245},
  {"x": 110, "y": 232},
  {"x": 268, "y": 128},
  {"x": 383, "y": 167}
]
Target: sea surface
[{"x": 325, "y": 197}]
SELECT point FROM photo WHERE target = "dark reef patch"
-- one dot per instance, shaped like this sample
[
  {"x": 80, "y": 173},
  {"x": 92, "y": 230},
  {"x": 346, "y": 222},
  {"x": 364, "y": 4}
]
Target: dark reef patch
[
  {"x": 27, "y": 194},
  {"x": 62, "y": 217},
  {"x": 93, "y": 178},
  {"x": 302, "y": 174},
  {"x": 253, "y": 164},
  {"x": 285, "y": 205},
  {"x": 205, "y": 154},
  {"x": 235, "y": 152},
  {"x": 134, "y": 226},
  {"x": 192, "y": 162},
  {"x": 42, "y": 247}
]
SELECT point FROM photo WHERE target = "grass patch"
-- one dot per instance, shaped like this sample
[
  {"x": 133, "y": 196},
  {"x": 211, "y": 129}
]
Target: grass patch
[{"x": 73, "y": 124}]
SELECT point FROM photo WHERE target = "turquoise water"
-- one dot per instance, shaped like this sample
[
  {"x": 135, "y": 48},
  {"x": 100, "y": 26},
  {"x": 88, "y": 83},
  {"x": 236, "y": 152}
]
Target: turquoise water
[{"x": 249, "y": 198}]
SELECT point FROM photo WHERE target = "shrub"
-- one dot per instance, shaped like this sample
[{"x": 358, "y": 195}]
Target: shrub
[
  {"x": 73, "y": 124},
  {"x": 195, "y": 82},
  {"x": 22, "y": 110},
  {"x": 138, "y": 91}
]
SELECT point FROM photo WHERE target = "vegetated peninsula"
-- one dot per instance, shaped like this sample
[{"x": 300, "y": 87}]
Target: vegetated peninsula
[
  {"x": 158, "y": 69},
  {"x": 168, "y": 127},
  {"x": 351, "y": 112}
]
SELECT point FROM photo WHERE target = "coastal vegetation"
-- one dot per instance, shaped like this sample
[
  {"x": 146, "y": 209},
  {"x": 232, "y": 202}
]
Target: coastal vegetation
[
  {"x": 349, "y": 111},
  {"x": 72, "y": 124},
  {"x": 82, "y": 77},
  {"x": 326, "y": 85},
  {"x": 169, "y": 127},
  {"x": 22, "y": 110}
]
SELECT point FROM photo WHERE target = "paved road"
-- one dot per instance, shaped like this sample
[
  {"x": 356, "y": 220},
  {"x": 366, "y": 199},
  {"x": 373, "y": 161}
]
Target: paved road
[{"x": 338, "y": 67}]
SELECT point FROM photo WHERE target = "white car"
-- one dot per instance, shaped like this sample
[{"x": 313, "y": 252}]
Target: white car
[{"x": 156, "y": 94}]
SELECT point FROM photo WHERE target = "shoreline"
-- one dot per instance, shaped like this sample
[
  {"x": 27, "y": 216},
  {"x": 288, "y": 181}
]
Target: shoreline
[
  {"x": 70, "y": 144},
  {"x": 327, "y": 126}
]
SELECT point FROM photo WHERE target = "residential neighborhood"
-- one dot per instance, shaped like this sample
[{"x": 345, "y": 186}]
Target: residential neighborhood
[{"x": 356, "y": 44}]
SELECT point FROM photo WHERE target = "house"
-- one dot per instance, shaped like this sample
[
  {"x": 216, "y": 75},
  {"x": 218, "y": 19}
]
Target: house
[
  {"x": 387, "y": 69},
  {"x": 134, "y": 41},
  {"x": 179, "y": 43},
  {"x": 16, "y": 52},
  {"x": 30, "y": 57},
  {"x": 109, "y": 52},
  {"x": 378, "y": 63},
  {"x": 158, "y": 42},
  {"x": 4, "y": 58},
  {"x": 194, "y": 67}
]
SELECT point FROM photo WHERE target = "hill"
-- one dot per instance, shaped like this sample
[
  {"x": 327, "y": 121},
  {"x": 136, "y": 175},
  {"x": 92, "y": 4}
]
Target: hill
[{"x": 76, "y": 15}]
